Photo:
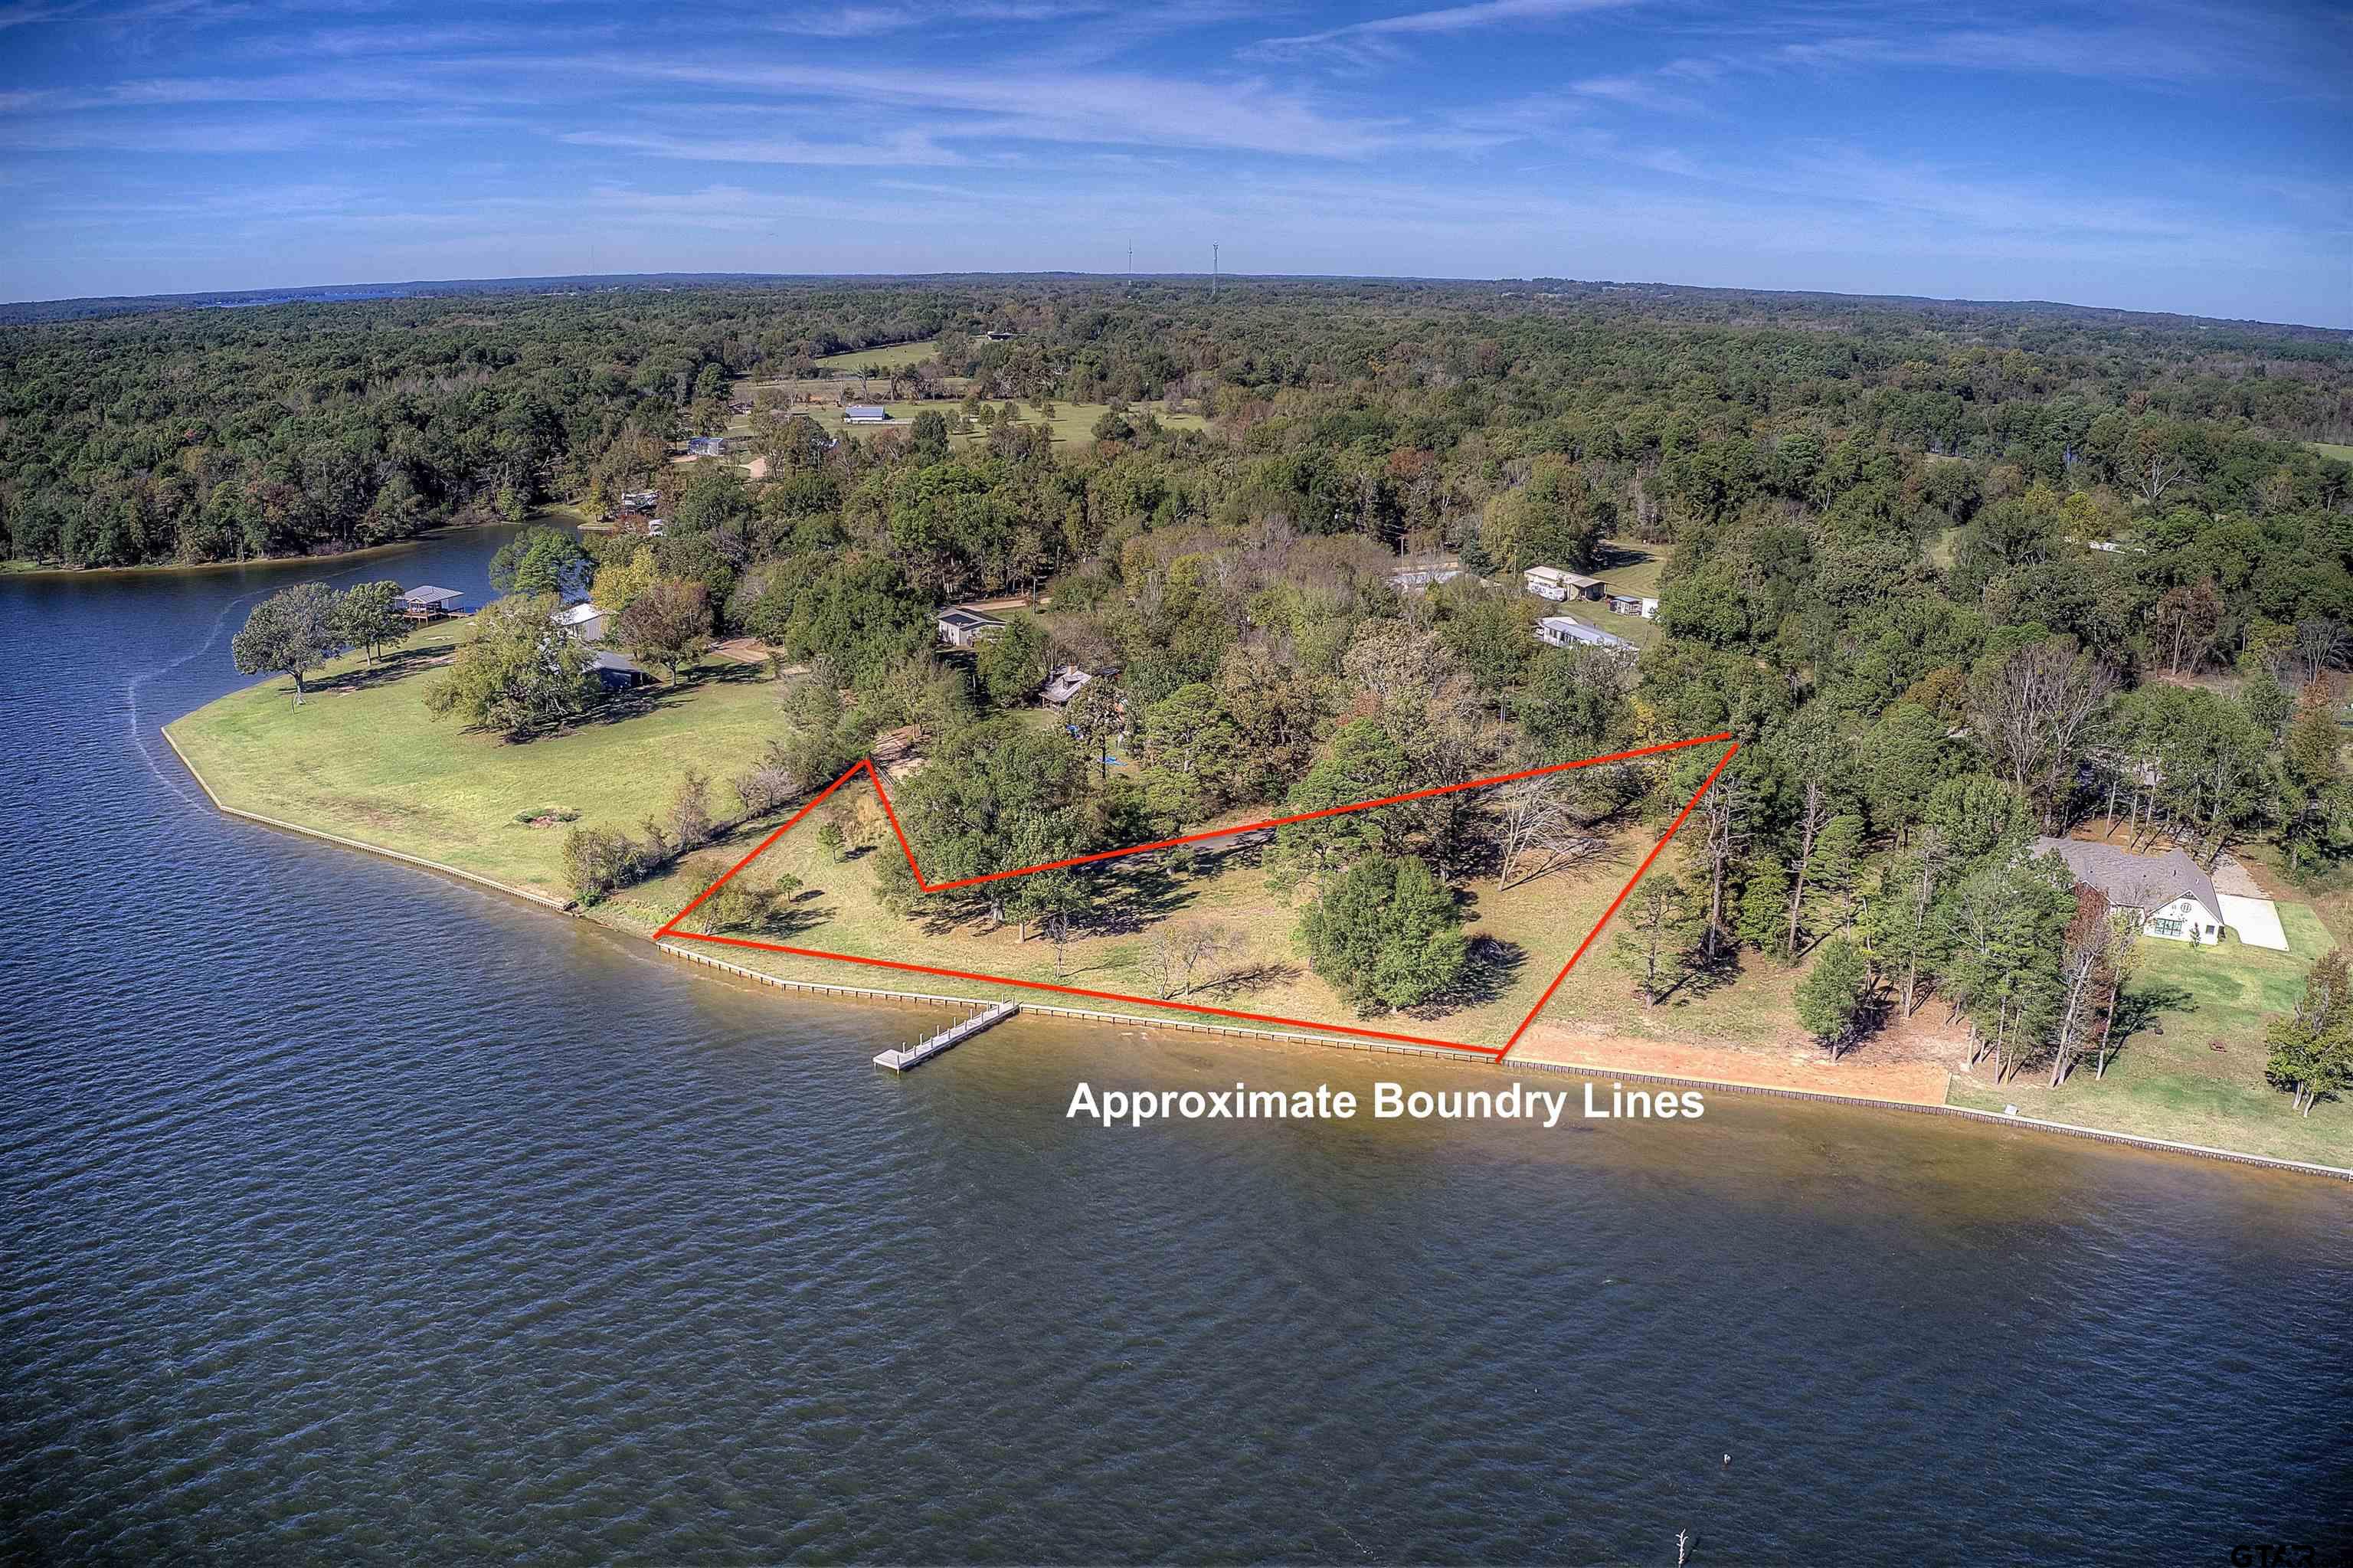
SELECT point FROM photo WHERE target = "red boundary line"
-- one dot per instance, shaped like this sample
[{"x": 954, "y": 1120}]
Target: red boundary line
[{"x": 866, "y": 765}]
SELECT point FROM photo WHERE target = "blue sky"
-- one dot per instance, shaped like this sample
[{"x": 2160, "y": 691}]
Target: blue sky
[{"x": 2156, "y": 156}]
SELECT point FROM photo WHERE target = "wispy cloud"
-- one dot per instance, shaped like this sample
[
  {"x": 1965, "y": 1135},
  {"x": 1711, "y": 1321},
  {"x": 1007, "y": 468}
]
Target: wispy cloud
[
  {"x": 908, "y": 148},
  {"x": 1382, "y": 31}
]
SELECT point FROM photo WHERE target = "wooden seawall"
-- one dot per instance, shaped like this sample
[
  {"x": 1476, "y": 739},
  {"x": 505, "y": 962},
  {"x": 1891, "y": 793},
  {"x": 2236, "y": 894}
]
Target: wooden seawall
[{"x": 922, "y": 1051}]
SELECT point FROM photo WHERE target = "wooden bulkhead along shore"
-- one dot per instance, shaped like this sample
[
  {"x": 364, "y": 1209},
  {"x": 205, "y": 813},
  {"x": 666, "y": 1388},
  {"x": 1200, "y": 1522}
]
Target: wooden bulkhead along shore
[{"x": 922, "y": 1051}]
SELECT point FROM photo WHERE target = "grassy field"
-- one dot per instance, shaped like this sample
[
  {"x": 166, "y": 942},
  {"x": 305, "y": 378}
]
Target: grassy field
[
  {"x": 2334, "y": 449},
  {"x": 882, "y": 358},
  {"x": 1525, "y": 936},
  {"x": 1072, "y": 423},
  {"x": 1627, "y": 566},
  {"x": 2170, "y": 1082},
  {"x": 362, "y": 758}
]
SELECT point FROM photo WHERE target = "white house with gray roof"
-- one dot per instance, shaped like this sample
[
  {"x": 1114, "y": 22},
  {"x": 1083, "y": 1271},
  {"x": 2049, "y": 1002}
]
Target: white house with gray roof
[{"x": 2172, "y": 897}]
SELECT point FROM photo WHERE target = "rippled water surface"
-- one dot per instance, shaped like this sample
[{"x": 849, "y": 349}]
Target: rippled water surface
[{"x": 353, "y": 1214}]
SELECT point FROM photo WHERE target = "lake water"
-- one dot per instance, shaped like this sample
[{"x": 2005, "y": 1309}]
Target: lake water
[{"x": 354, "y": 1215}]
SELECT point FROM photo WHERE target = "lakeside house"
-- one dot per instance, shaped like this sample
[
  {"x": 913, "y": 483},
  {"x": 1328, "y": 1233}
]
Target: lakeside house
[
  {"x": 1559, "y": 584},
  {"x": 866, "y": 414},
  {"x": 1422, "y": 579},
  {"x": 2171, "y": 896},
  {"x": 1642, "y": 605},
  {"x": 429, "y": 603},
  {"x": 966, "y": 628},
  {"x": 583, "y": 620},
  {"x": 1566, "y": 631}
]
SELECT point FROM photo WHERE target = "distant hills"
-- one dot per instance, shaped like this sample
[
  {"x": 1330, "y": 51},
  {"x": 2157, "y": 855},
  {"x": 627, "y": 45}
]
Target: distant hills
[{"x": 39, "y": 311}]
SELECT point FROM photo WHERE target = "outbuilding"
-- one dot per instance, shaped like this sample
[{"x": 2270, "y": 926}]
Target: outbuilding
[
  {"x": 1422, "y": 579},
  {"x": 617, "y": 672},
  {"x": 1069, "y": 681},
  {"x": 866, "y": 414}
]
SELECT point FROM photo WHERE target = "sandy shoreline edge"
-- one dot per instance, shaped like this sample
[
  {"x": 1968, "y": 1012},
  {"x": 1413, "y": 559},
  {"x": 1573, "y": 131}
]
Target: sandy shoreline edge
[{"x": 1581, "y": 1069}]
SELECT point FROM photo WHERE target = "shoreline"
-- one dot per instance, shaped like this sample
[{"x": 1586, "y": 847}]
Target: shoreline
[
  {"x": 1582, "y": 1069},
  {"x": 19, "y": 571}
]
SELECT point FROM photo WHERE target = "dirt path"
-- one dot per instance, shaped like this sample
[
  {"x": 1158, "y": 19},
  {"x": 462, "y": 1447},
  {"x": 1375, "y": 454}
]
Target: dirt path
[{"x": 1914, "y": 1083}]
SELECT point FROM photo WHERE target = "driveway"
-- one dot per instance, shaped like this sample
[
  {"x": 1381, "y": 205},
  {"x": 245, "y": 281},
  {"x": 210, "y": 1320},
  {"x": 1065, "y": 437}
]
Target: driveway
[{"x": 2256, "y": 920}]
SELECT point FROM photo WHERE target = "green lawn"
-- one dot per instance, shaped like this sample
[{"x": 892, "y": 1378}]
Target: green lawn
[
  {"x": 2174, "y": 1084},
  {"x": 1531, "y": 929},
  {"x": 883, "y": 357},
  {"x": 364, "y": 759},
  {"x": 1072, "y": 423},
  {"x": 1626, "y": 565},
  {"x": 2332, "y": 449}
]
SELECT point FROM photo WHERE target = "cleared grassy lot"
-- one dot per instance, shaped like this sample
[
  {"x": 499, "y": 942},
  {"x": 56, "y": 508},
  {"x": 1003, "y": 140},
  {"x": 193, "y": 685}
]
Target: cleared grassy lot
[
  {"x": 1072, "y": 423},
  {"x": 2334, "y": 449},
  {"x": 1520, "y": 939},
  {"x": 882, "y": 358},
  {"x": 363, "y": 758},
  {"x": 2169, "y": 1081}
]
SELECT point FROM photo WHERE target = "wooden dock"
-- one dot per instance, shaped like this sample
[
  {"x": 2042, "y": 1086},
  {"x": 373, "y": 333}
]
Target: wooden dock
[{"x": 922, "y": 1051}]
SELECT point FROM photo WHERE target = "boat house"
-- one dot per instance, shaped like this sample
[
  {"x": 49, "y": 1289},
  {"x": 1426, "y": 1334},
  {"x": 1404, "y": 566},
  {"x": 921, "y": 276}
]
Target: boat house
[{"x": 429, "y": 603}]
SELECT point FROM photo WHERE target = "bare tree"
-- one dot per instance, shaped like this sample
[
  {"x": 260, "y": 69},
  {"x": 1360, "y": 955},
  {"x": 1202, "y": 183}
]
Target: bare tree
[
  {"x": 2032, "y": 711},
  {"x": 1540, "y": 829},
  {"x": 1178, "y": 951},
  {"x": 2083, "y": 965},
  {"x": 1813, "y": 810},
  {"x": 2319, "y": 643},
  {"x": 1721, "y": 816}
]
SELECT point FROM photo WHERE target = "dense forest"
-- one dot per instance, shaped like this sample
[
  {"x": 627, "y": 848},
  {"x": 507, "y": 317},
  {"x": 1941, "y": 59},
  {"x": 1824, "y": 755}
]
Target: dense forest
[{"x": 1955, "y": 575}]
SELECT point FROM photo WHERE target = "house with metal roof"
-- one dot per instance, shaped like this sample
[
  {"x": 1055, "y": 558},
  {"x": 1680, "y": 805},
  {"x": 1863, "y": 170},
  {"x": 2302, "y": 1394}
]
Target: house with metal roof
[
  {"x": 1422, "y": 579},
  {"x": 866, "y": 414},
  {"x": 1559, "y": 584},
  {"x": 1069, "y": 681},
  {"x": 2173, "y": 897},
  {"x": 429, "y": 603},
  {"x": 962, "y": 627},
  {"x": 584, "y": 620},
  {"x": 1567, "y": 631},
  {"x": 616, "y": 672}
]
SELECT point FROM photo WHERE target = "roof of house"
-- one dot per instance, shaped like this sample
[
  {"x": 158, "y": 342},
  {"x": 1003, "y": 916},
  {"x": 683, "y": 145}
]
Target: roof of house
[
  {"x": 2130, "y": 881},
  {"x": 1562, "y": 575},
  {"x": 430, "y": 595},
  {"x": 865, "y": 412},
  {"x": 964, "y": 620},
  {"x": 1422, "y": 576},
  {"x": 605, "y": 660},
  {"x": 574, "y": 614},
  {"x": 1067, "y": 683},
  {"x": 1576, "y": 631}
]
